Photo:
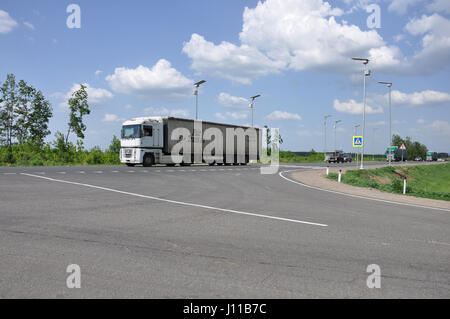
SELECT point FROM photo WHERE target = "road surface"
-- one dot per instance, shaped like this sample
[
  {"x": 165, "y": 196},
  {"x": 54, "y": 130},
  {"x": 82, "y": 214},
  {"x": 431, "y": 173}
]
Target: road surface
[{"x": 209, "y": 232}]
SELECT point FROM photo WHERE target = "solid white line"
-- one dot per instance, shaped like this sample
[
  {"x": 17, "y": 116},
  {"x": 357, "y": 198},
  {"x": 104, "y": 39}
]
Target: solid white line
[
  {"x": 357, "y": 196},
  {"x": 176, "y": 202}
]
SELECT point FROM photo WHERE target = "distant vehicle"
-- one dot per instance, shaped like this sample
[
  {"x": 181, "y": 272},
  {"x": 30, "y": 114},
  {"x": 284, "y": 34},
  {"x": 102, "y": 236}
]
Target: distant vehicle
[
  {"x": 444, "y": 156},
  {"x": 418, "y": 159},
  {"x": 431, "y": 156},
  {"x": 347, "y": 157},
  {"x": 441, "y": 159},
  {"x": 336, "y": 157},
  {"x": 396, "y": 154}
]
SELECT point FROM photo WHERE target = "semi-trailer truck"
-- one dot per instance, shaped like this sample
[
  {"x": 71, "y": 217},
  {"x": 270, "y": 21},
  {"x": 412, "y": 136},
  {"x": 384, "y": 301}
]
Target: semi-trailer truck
[
  {"x": 169, "y": 140},
  {"x": 431, "y": 156},
  {"x": 396, "y": 154}
]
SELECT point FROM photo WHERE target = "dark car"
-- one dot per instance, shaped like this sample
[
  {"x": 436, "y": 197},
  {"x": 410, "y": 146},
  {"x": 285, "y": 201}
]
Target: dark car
[
  {"x": 347, "y": 158},
  {"x": 336, "y": 157}
]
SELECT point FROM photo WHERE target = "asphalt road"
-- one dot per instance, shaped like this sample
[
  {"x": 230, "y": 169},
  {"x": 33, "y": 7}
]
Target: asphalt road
[{"x": 209, "y": 232}]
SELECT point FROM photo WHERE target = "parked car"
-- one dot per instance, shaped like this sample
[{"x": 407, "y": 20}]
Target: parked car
[
  {"x": 347, "y": 158},
  {"x": 418, "y": 159},
  {"x": 336, "y": 157}
]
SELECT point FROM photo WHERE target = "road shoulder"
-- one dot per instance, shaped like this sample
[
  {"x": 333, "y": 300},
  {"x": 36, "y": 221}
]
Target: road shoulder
[{"x": 317, "y": 178}]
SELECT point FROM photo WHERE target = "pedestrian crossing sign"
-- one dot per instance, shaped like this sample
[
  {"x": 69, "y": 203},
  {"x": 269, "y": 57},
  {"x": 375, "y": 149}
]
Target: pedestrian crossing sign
[{"x": 357, "y": 141}]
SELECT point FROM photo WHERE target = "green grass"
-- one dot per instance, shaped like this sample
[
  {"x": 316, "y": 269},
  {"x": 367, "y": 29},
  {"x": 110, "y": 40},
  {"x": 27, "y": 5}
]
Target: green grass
[
  {"x": 289, "y": 157},
  {"x": 428, "y": 181}
]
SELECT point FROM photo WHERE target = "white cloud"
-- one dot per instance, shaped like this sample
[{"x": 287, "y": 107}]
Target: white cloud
[
  {"x": 439, "y": 5},
  {"x": 353, "y": 107},
  {"x": 279, "y": 35},
  {"x": 420, "y": 121},
  {"x": 96, "y": 96},
  {"x": 423, "y": 98},
  {"x": 98, "y": 72},
  {"x": 6, "y": 22},
  {"x": 281, "y": 115},
  {"x": 161, "y": 80},
  {"x": 28, "y": 25},
  {"x": 231, "y": 115},
  {"x": 237, "y": 115},
  {"x": 236, "y": 63},
  {"x": 112, "y": 118},
  {"x": 220, "y": 116},
  {"x": 163, "y": 111},
  {"x": 441, "y": 127},
  {"x": 228, "y": 100},
  {"x": 435, "y": 51},
  {"x": 401, "y": 6}
]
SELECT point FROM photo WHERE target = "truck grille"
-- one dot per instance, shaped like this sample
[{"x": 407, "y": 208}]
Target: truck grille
[{"x": 128, "y": 152}]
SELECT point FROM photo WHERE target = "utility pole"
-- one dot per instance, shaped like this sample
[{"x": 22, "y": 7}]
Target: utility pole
[
  {"x": 373, "y": 141},
  {"x": 335, "y": 125},
  {"x": 325, "y": 136},
  {"x": 389, "y": 85},
  {"x": 357, "y": 150}
]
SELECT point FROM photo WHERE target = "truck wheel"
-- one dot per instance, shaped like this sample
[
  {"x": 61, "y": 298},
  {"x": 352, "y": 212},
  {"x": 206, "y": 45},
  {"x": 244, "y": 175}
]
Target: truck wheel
[
  {"x": 130, "y": 165},
  {"x": 212, "y": 163},
  {"x": 148, "y": 160}
]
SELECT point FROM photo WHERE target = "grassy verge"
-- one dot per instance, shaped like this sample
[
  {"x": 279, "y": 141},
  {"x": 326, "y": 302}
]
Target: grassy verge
[
  {"x": 289, "y": 157},
  {"x": 428, "y": 181}
]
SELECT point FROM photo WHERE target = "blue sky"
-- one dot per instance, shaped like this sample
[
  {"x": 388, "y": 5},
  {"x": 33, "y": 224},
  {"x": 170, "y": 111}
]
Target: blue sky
[{"x": 142, "y": 57}]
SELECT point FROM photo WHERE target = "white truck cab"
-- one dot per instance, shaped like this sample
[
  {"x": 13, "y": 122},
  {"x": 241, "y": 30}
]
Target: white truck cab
[{"x": 141, "y": 140}]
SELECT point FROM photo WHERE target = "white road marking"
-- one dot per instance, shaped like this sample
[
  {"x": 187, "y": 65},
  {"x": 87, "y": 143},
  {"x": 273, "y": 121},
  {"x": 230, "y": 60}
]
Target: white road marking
[
  {"x": 130, "y": 171},
  {"x": 193, "y": 170},
  {"x": 357, "y": 196},
  {"x": 9, "y": 173},
  {"x": 82, "y": 172},
  {"x": 41, "y": 173},
  {"x": 158, "y": 171},
  {"x": 177, "y": 202},
  {"x": 115, "y": 171},
  {"x": 61, "y": 172},
  {"x": 98, "y": 172}
]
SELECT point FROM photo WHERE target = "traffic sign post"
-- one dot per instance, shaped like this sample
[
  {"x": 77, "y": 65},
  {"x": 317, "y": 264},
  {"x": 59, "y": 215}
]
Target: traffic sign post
[
  {"x": 358, "y": 141},
  {"x": 402, "y": 147}
]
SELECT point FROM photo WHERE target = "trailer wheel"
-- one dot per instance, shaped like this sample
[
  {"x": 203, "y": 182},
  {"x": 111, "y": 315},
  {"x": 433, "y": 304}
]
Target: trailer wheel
[
  {"x": 148, "y": 160},
  {"x": 130, "y": 164}
]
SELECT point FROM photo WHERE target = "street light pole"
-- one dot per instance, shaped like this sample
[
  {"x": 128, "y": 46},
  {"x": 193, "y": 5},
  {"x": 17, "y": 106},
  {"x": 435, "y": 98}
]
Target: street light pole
[
  {"x": 373, "y": 141},
  {"x": 366, "y": 73},
  {"x": 389, "y": 85},
  {"x": 335, "y": 125},
  {"x": 196, "y": 96},
  {"x": 325, "y": 135},
  {"x": 356, "y": 134},
  {"x": 252, "y": 104}
]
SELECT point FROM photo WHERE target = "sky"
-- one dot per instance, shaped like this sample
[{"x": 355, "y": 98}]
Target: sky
[{"x": 142, "y": 58}]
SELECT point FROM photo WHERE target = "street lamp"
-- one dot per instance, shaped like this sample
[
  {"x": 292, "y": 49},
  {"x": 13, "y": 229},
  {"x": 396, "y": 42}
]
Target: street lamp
[
  {"x": 252, "y": 104},
  {"x": 335, "y": 125},
  {"x": 356, "y": 134},
  {"x": 389, "y": 85},
  {"x": 325, "y": 134},
  {"x": 196, "y": 96},
  {"x": 366, "y": 73}
]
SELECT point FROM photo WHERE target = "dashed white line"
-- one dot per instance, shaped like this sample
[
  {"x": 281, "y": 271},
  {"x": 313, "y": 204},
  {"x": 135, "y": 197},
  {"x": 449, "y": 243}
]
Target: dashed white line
[
  {"x": 178, "y": 202},
  {"x": 98, "y": 172}
]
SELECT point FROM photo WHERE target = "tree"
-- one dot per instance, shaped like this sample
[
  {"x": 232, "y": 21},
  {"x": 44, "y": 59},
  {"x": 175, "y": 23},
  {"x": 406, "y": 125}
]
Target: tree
[
  {"x": 114, "y": 147},
  {"x": 24, "y": 113},
  {"x": 9, "y": 101},
  {"x": 414, "y": 149},
  {"x": 79, "y": 107}
]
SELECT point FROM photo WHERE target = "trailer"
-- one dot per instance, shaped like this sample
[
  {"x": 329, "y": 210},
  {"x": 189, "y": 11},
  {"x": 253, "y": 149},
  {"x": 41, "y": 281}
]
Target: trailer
[
  {"x": 396, "y": 154},
  {"x": 170, "y": 140}
]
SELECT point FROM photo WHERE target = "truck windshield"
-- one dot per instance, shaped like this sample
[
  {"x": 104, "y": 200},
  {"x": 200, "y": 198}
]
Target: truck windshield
[{"x": 131, "y": 131}]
